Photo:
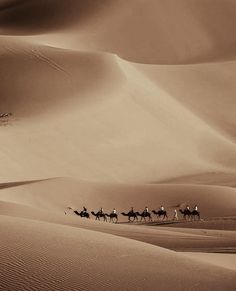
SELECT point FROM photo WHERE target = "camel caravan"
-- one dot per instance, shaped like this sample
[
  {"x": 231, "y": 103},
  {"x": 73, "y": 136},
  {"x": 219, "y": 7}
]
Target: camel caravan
[
  {"x": 133, "y": 216},
  {"x": 4, "y": 115}
]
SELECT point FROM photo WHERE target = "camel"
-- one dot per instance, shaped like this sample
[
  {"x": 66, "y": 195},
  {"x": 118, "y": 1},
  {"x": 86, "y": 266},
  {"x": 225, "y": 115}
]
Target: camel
[
  {"x": 100, "y": 215},
  {"x": 190, "y": 214},
  {"x": 131, "y": 214},
  {"x": 160, "y": 213},
  {"x": 113, "y": 217},
  {"x": 144, "y": 215},
  {"x": 81, "y": 214}
]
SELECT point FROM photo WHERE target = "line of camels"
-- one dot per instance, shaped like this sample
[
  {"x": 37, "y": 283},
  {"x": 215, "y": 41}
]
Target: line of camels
[{"x": 188, "y": 215}]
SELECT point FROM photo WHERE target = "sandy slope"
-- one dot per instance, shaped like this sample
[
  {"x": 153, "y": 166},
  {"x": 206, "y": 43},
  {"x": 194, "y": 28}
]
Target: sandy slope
[
  {"x": 78, "y": 105},
  {"x": 201, "y": 88},
  {"x": 55, "y": 245},
  {"x": 51, "y": 250},
  {"x": 46, "y": 256},
  {"x": 47, "y": 201},
  {"x": 226, "y": 261},
  {"x": 134, "y": 102},
  {"x": 141, "y": 31},
  {"x": 210, "y": 178},
  {"x": 57, "y": 194}
]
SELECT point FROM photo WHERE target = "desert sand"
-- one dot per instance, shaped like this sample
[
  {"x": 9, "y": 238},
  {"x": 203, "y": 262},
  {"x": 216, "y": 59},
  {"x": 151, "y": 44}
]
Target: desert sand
[{"x": 119, "y": 103}]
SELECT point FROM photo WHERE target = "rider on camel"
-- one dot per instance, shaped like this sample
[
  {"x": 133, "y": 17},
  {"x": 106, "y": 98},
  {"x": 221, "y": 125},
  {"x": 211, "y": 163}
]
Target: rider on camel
[
  {"x": 162, "y": 208},
  {"x": 84, "y": 211},
  {"x": 101, "y": 211},
  {"x": 146, "y": 210}
]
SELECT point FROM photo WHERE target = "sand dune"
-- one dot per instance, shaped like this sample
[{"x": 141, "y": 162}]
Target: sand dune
[
  {"x": 226, "y": 261},
  {"x": 78, "y": 104},
  {"x": 70, "y": 253},
  {"x": 137, "y": 30},
  {"x": 57, "y": 194},
  {"x": 117, "y": 104},
  {"x": 201, "y": 88},
  {"x": 221, "y": 179},
  {"x": 47, "y": 201}
]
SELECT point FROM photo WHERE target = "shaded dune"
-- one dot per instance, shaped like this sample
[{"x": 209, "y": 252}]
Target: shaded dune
[
  {"x": 27, "y": 17},
  {"x": 15, "y": 184},
  {"x": 54, "y": 76},
  {"x": 153, "y": 32}
]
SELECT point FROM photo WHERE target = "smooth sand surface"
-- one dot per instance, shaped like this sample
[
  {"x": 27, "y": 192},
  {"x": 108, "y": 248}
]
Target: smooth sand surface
[{"x": 117, "y": 103}]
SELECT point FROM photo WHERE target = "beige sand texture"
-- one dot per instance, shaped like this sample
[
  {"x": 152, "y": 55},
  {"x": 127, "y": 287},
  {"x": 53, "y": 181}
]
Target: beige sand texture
[{"x": 117, "y": 103}]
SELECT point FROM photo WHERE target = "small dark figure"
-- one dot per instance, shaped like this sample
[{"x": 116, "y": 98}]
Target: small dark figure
[
  {"x": 2, "y": 115},
  {"x": 101, "y": 211},
  {"x": 84, "y": 211}
]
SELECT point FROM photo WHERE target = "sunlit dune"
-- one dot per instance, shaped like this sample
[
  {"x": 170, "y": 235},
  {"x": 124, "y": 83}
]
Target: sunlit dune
[{"x": 117, "y": 104}]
